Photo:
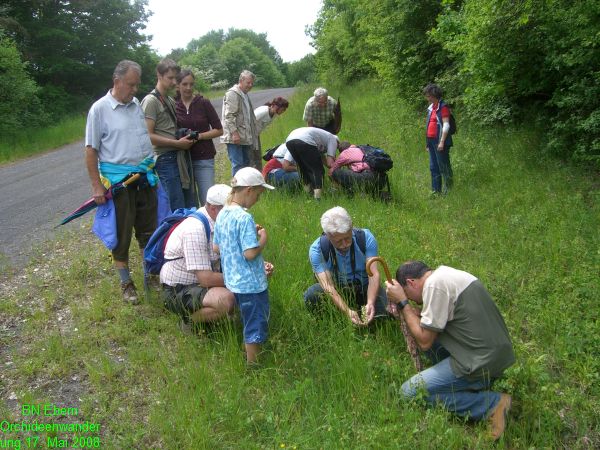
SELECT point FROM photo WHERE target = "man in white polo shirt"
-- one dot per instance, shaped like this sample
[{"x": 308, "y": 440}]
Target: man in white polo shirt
[{"x": 191, "y": 277}]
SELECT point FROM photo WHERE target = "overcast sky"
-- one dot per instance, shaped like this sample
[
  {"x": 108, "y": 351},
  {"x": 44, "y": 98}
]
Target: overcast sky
[{"x": 176, "y": 22}]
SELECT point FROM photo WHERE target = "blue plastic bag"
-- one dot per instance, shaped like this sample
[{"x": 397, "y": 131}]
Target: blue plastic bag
[
  {"x": 163, "y": 209},
  {"x": 105, "y": 224}
]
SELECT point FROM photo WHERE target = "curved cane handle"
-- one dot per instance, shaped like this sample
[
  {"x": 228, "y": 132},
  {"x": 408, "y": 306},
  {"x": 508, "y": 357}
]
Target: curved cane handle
[
  {"x": 370, "y": 261},
  {"x": 411, "y": 344},
  {"x": 131, "y": 179}
]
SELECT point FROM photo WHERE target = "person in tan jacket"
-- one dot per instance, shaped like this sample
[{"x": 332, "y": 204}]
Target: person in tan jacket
[{"x": 239, "y": 125}]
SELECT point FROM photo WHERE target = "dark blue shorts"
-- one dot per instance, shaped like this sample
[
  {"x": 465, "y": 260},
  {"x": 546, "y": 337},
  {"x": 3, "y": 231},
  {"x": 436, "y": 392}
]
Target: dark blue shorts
[{"x": 254, "y": 309}]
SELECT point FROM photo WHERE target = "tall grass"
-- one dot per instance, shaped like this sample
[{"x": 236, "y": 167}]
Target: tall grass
[
  {"x": 528, "y": 228},
  {"x": 36, "y": 140}
]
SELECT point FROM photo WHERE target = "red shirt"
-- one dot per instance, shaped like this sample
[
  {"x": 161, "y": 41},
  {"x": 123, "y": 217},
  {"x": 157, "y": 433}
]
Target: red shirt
[
  {"x": 200, "y": 117},
  {"x": 432, "y": 129},
  {"x": 272, "y": 164}
]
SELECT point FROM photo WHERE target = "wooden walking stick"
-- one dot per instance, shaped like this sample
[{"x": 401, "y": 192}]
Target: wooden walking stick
[{"x": 411, "y": 344}]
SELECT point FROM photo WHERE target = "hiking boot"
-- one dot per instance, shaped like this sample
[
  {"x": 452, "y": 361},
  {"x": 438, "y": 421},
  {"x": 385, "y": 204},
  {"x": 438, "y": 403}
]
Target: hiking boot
[
  {"x": 185, "y": 327},
  {"x": 498, "y": 417},
  {"x": 129, "y": 293},
  {"x": 152, "y": 283},
  {"x": 385, "y": 196}
]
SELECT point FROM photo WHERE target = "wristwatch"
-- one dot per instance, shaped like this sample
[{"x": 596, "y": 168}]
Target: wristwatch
[{"x": 402, "y": 304}]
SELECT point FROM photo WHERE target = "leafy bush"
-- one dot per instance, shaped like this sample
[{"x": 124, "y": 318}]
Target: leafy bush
[
  {"x": 503, "y": 61},
  {"x": 239, "y": 54},
  {"x": 19, "y": 103},
  {"x": 301, "y": 71}
]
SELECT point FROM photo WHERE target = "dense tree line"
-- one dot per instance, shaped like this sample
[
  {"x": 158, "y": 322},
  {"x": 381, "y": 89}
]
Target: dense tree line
[
  {"x": 219, "y": 58},
  {"x": 57, "y": 56},
  {"x": 535, "y": 62},
  {"x": 61, "y": 56}
]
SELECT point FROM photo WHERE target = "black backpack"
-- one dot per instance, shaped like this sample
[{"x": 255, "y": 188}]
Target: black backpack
[
  {"x": 269, "y": 153},
  {"x": 452, "y": 120},
  {"x": 453, "y": 129},
  {"x": 377, "y": 159}
]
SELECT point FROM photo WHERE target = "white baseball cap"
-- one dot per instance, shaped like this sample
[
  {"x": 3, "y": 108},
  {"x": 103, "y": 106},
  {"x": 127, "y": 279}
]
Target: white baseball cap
[
  {"x": 217, "y": 194},
  {"x": 249, "y": 176}
]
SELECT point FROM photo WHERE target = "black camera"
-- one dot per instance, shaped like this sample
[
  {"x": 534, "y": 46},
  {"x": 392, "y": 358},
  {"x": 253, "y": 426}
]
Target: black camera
[{"x": 191, "y": 134}]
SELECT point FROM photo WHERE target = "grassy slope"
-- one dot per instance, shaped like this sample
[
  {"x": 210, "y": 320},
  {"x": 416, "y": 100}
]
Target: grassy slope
[
  {"x": 527, "y": 228},
  {"x": 34, "y": 141}
]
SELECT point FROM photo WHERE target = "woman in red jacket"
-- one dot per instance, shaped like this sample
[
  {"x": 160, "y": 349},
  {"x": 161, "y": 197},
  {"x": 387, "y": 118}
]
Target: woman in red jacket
[{"x": 438, "y": 139}]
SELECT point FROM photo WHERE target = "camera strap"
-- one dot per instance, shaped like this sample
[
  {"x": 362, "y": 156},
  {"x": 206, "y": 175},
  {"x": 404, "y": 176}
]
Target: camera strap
[{"x": 166, "y": 104}]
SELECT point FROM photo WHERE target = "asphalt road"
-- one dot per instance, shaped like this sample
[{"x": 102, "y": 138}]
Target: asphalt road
[{"x": 37, "y": 193}]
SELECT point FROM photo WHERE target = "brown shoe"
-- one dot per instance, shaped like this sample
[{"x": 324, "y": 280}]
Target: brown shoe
[
  {"x": 152, "y": 283},
  {"x": 129, "y": 293},
  {"x": 498, "y": 417}
]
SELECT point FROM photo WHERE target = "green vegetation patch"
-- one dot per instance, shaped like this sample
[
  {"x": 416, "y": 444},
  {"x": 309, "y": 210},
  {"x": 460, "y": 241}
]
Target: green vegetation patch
[{"x": 528, "y": 228}]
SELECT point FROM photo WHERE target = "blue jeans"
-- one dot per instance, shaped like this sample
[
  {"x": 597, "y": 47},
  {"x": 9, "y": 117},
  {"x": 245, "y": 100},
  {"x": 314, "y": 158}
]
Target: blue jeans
[
  {"x": 204, "y": 173},
  {"x": 440, "y": 167},
  {"x": 285, "y": 179},
  {"x": 365, "y": 181},
  {"x": 168, "y": 173},
  {"x": 463, "y": 397},
  {"x": 239, "y": 155}
]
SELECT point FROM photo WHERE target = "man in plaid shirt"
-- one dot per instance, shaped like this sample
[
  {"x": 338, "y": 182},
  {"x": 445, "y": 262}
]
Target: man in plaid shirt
[
  {"x": 191, "y": 277},
  {"x": 319, "y": 110}
]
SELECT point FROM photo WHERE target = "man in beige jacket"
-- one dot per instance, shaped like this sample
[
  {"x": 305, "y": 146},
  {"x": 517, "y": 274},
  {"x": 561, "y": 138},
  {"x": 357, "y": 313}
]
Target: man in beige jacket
[{"x": 239, "y": 125}]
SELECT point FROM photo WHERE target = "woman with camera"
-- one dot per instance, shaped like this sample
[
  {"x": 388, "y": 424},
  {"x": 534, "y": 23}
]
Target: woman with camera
[{"x": 197, "y": 114}]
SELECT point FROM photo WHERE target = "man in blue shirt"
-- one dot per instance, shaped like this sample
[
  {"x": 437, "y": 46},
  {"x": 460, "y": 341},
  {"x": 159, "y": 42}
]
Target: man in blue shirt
[
  {"x": 117, "y": 144},
  {"x": 338, "y": 260}
]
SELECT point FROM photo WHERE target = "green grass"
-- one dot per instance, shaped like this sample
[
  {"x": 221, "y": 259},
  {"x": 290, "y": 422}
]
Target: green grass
[
  {"x": 526, "y": 226},
  {"x": 38, "y": 140}
]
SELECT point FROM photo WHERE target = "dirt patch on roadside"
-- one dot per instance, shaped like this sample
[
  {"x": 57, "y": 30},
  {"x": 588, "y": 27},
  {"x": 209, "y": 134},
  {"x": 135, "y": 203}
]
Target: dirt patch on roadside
[
  {"x": 38, "y": 302},
  {"x": 22, "y": 294}
]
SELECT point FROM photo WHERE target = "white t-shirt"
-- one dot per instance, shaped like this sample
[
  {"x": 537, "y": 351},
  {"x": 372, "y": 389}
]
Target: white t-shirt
[
  {"x": 263, "y": 118},
  {"x": 282, "y": 153},
  {"x": 323, "y": 140}
]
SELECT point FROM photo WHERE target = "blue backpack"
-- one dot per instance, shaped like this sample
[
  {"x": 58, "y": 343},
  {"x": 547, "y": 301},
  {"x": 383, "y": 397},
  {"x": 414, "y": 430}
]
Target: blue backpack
[{"x": 154, "y": 252}]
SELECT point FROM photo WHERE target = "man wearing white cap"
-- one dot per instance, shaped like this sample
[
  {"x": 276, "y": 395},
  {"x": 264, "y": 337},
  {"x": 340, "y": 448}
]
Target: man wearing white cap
[{"x": 191, "y": 277}]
